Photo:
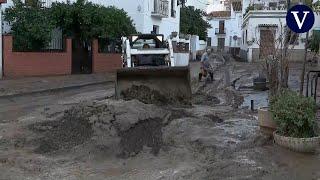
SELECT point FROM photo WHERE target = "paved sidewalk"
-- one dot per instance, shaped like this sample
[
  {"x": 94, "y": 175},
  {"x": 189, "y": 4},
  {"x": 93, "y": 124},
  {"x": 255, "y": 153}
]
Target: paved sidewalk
[{"x": 30, "y": 85}]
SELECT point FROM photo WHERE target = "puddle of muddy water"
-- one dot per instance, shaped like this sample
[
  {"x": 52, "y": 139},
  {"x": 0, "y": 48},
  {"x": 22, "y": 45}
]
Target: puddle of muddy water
[{"x": 260, "y": 99}]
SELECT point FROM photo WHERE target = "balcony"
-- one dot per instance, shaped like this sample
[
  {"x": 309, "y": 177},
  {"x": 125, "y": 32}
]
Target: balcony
[
  {"x": 267, "y": 6},
  {"x": 219, "y": 31},
  {"x": 161, "y": 9}
]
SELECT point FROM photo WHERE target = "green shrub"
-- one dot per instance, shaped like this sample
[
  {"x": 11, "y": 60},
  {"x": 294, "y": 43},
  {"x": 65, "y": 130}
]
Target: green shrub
[{"x": 294, "y": 115}]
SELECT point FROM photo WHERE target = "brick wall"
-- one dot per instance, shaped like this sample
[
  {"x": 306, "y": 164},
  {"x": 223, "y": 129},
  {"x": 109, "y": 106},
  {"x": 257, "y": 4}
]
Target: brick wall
[
  {"x": 104, "y": 62},
  {"x": 21, "y": 64}
]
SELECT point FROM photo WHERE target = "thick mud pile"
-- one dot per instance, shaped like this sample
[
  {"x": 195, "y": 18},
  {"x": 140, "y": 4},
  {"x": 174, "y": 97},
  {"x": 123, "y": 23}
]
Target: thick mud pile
[
  {"x": 145, "y": 133},
  {"x": 122, "y": 127},
  {"x": 74, "y": 129},
  {"x": 151, "y": 96},
  {"x": 145, "y": 95}
]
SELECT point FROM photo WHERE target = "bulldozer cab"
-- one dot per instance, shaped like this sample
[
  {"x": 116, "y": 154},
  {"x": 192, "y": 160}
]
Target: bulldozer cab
[
  {"x": 153, "y": 40},
  {"x": 147, "y": 46},
  {"x": 149, "y": 72},
  {"x": 146, "y": 50}
]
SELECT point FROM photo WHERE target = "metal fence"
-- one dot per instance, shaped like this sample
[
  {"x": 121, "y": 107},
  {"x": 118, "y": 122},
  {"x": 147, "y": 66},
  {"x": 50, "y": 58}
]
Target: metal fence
[{"x": 57, "y": 41}]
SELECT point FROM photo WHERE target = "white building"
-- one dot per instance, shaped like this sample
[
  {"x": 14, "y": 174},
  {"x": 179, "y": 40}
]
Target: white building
[
  {"x": 225, "y": 20},
  {"x": 199, "y": 4},
  {"x": 261, "y": 25},
  {"x": 218, "y": 5},
  {"x": 160, "y": 16}
]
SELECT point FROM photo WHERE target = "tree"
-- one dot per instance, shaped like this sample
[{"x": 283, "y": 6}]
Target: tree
[
  {"x": 276, "y": 65},
  {"x": 314, "y": 44},
  {"x": 86, "y": 20},
  {"x": 192, "y": 22},
  {"x": 31, "y": 25}
]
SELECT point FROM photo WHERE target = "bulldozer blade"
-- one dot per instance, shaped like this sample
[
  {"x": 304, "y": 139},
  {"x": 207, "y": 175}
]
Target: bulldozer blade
[{"x": 154, "y": 85}]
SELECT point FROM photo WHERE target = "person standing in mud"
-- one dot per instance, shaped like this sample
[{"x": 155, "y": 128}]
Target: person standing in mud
[{"x": 206, "y": 66}]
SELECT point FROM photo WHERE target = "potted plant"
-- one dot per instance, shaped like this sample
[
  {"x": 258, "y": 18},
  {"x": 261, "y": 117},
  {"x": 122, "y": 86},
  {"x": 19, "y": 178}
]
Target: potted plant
[
  {"x": 295, "y": 116},
  {"x": 276, "y": 67},
  {"x": 174, "y": 34}
]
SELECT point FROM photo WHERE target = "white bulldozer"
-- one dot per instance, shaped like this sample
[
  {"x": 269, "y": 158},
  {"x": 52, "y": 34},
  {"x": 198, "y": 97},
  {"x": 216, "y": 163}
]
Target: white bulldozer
[{"x": 150, "y": 72}]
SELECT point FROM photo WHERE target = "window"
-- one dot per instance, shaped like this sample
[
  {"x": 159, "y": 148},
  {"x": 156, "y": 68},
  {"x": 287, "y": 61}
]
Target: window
[
  {"x": 209, "y": 41},
  {"x": 246, "y": 36},
  {"x": 221, "y": 27},
  {"x": 242, "y": 37},
  {"x": 155, "y": 29}
]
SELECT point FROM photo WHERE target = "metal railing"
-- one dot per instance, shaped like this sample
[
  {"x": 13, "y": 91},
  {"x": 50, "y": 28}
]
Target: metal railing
[
  {"x": 269, "y": 6},
  {"x": 161, "y": 8},
  {"x": 220, "y": 31}
]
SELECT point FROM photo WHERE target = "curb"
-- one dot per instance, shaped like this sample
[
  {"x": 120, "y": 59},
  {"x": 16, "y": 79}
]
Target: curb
[{"x": 54, "y": 89}]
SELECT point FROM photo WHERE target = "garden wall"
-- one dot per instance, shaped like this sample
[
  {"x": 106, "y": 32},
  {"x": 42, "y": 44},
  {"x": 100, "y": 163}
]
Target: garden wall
[
  {"x": 21, "y": 64},
  {"x": 104, "y": 62}
]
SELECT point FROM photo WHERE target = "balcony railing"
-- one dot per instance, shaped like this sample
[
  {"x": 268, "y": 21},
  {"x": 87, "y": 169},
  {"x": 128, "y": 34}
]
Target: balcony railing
[
  {"x": 220, "y": 31},
  {"x": 161, "y": 9},
  {"x": 266, "y": 6}
]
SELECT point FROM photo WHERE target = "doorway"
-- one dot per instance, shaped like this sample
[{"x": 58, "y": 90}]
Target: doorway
[
  {"x": 221, "y": 43},
  {"x": 221, "y": 27},
  {"x": 267, "y": 45},
  {"x": 209, "y": 41},
  {"x": 81, "y": 57}
]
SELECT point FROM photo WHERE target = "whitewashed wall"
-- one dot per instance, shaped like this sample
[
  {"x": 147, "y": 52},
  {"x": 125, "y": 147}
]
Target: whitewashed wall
[
  {"x": 232, "y": 28},
  {"x": 254, "y": 33},
  {"x": 139, "y": 11},
  {"x": 199, "y": 4},
  {"x": 269, "y": 17}
]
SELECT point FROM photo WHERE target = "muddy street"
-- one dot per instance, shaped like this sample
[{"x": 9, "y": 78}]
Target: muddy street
[{"x": 87, "y": 134}]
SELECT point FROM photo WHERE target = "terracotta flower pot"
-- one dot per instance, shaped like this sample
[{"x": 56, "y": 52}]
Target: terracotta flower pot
[
  {"x": 297, "y": 144},
  {"x": 266, "y": 123}
]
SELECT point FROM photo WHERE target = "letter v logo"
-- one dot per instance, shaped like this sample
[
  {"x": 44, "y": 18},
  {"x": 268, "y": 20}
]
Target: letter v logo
[
  {"x": 295, "y": 14},
  {"x": 300, "y": 18}
]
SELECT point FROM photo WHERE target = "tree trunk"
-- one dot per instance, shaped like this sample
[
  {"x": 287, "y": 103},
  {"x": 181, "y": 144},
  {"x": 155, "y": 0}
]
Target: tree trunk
[{"x": 304, "y": 64}]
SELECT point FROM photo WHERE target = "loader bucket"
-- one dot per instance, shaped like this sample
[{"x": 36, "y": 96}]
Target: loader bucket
[{"x": 154, "y": 85}]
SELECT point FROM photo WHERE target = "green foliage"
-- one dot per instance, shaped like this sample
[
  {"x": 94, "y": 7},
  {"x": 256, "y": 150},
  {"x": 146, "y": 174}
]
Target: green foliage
[
  {"x": 294, "y": 114},
  {"x": 249, "y": 8},
  {"x": 192, "y": 22},
  {"x": 31, "y": 26},
  {"x": 314, "y": 43},
  {"x": 86, "y": 20}
]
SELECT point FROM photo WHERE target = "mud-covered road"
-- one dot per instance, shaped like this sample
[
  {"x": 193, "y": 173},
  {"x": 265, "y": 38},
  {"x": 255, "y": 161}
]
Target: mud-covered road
[{"x": 86, "y": 134}]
